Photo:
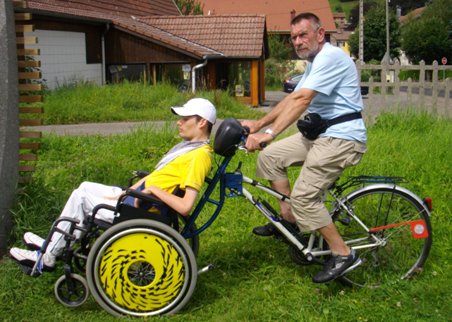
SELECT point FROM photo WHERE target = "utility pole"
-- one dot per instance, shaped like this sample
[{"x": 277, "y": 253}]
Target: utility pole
[
  {"x": 361, "y": 32},
  {"x": 387, "y": 31}
]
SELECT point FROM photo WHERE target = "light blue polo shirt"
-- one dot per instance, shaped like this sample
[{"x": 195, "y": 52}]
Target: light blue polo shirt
[{"x": 334, "y": 77}]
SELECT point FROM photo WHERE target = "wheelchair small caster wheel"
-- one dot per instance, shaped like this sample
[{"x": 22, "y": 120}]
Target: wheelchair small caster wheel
[{"x": 73, "y": 292}]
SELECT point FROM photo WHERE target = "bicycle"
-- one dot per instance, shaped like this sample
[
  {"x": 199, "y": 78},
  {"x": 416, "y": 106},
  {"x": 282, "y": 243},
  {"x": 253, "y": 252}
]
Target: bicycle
[{"x": 144, "y": 267}]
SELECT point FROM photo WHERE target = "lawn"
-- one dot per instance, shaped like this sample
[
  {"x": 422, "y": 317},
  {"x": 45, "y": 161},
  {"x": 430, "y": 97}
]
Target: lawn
[
  {"x": 89, "y": 103},
  {"x": 254, "y": 278}
]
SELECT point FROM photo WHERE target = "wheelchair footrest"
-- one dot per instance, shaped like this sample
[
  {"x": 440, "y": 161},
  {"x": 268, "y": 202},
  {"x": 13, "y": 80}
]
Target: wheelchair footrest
[
  {"x": 206, "y": 269},
  {"x": 28, "y": 270}
]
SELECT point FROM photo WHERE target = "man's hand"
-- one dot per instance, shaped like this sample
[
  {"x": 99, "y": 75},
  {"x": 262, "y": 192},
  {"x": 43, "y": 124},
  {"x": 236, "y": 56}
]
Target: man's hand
[
  {"x": 252, "y": 125},
  {"x": 257, "y": 141}
]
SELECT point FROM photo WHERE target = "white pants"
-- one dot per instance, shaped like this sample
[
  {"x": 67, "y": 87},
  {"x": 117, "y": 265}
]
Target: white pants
[{"x": 80, "y": 205}]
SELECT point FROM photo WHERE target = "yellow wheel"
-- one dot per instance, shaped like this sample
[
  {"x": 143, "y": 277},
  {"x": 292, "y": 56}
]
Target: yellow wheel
[{"x": 141, "y": 267}]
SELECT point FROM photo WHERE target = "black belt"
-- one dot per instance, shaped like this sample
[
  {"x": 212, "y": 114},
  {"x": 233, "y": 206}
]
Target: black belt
[{"x": 343, "y": 118}]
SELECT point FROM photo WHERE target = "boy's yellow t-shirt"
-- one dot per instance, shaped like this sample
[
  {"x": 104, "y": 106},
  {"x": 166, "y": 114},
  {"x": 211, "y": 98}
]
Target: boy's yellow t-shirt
[{"x": 187, "y": 170}]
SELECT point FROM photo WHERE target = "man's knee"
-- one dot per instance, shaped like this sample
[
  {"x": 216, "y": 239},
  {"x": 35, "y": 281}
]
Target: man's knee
[{"x": 308, "y": 207}]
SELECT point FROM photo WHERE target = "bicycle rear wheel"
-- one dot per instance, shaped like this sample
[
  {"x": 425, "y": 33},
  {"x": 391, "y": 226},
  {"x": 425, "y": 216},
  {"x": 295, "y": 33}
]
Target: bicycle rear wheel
[{"x": 400, "y": 219}]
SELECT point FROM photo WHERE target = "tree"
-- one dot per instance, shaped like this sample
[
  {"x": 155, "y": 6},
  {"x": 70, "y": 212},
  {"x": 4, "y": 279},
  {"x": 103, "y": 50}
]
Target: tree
[
  {"x": 189, "y": 7},
  {"x": 428, "y": 38},
  {"x": 354, "y": 13},
  {"x": 375, "y": 34}
]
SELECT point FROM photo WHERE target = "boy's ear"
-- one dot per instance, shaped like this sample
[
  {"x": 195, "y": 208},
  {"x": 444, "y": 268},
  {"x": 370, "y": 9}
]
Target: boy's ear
[{"x": 203, "y": 122}]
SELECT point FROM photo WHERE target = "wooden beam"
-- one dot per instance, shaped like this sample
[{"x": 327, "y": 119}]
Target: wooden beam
[
  {"x": 28, "y": 52},
  {"x": 22, "y": 16},
  {"x": 29, "y": 145},
  {"x": 19, "y": 4},
  {"x": 30, "y": 75},
  {"x": 32, "y": 110},
  {"x": 28, "y": 122},
  {"x": 28, "y": 63},
  {"x": 27, "y": 168},
  {"x": 25, "y": 28},
  {"x": 30, "y": 87},
  {"x": 30, "y": 134},
  {"x": 30, "y": 98},
  {"x": 28, "y": 157},
  {"x": 29, "y": 40}
]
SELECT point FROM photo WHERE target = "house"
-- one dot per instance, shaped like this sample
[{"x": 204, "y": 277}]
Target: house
[
  {"x": 105, "y": 41},
  {"x": 342, "y": 34},
  {"x": 278, "y": 12}
]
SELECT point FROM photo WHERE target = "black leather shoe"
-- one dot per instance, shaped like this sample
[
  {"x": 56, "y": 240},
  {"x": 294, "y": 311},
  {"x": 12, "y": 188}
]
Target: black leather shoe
[
  {"x": 337, "y": 266},
  {"x": 266, "y": 230}
]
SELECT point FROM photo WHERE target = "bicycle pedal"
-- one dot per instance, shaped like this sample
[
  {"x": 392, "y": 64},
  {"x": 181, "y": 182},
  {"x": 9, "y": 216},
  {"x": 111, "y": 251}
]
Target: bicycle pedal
[{"x": 355, "y": 265}]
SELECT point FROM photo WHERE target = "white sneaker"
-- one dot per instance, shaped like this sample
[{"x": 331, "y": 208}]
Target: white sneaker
[
  {"x": 33, "y": 241},
  {"x": 29, "y": 258}
]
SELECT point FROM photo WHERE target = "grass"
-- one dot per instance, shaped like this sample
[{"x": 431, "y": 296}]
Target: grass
[
  {"x": 88, "y": 103},
  {"x": 254, "y": 278}
]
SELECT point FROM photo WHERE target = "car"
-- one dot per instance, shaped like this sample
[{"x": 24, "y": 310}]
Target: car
[{"x": 290, "y": 83}]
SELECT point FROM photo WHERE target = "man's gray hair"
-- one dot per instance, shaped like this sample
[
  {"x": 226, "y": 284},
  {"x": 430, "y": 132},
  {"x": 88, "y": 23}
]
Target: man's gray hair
[{"x": 315, "y": 21}]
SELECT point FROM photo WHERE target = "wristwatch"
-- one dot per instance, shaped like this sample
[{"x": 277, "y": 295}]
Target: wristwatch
[{"x": 270, "y": 131}]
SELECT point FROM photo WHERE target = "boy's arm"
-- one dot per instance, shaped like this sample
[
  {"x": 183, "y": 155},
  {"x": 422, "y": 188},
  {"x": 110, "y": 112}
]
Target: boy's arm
[{"x": 182, "y": 205}]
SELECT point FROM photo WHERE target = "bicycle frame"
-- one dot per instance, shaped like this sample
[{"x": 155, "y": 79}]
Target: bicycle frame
[{"x": 234, "y": 182}]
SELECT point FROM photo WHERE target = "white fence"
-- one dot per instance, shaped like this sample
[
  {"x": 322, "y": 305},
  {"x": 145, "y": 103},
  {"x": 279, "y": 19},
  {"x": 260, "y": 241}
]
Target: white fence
[{"x": 431, "y": 92}]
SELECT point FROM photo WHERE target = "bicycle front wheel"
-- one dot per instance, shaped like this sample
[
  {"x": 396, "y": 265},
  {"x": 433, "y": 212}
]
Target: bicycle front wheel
[{"x": 398, "y": 221}]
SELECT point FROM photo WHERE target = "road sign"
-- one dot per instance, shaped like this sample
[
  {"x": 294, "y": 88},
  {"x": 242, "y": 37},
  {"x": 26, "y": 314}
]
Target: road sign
[{"x": 444, "y": 60}]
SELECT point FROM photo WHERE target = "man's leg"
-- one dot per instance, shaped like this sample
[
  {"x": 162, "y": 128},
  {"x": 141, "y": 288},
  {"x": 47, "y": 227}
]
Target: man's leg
[
  {"x": 283, "y": 186},
  {"x": 325, "y": 162},
  {"x": 272, "y": 165},
  {"x": 334, "y": 240}
]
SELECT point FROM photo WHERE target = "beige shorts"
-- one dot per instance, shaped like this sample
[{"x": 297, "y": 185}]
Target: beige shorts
[{"x": 323, "y": 161}]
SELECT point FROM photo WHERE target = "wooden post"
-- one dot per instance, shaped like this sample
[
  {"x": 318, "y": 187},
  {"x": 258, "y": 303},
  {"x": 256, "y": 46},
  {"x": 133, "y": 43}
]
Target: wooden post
[
  {"x": 435, "y": 84},
  {"x": 422, "y": 83},
  {"x": 254, "y": 83},
  {"x": 30, "y": 106}
]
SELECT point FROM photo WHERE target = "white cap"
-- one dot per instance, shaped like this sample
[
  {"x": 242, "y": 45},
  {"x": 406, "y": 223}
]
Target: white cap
[{"x": 197, "y": 106}]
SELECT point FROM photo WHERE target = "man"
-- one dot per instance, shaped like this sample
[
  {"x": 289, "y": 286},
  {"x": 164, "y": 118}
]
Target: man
[
  {"x": 185, "y": 166},
  {"x": 329, "y": 87}
]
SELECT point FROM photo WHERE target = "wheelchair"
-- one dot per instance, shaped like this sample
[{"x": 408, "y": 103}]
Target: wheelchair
[{"x": 142, "y": 264}]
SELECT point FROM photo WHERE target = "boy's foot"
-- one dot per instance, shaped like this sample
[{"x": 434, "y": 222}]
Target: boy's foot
[
  {"x": 337, "y": 266},
  {"x": 29, "y": 258},
  {"x": 33, "y": 241},
  {"x": 270, "y": 230},
  {"x": 265, "y": 230}
]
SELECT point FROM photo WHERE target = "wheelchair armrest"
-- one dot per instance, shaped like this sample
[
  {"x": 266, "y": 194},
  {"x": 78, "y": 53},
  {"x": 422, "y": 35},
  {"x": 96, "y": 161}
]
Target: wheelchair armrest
[
  {"x": 142, "y": 196},
  {"x": 137, "y": 174}
]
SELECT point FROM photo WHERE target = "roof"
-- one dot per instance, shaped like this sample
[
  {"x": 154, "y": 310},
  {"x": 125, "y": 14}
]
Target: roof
[
  {"x": 233, "y": 35},
  {"x": 196, "y": 36},
  {"x": 110, "y": 7},
  {"x": 277, "y": 12},
  {"x": 416, "y": 13}
]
